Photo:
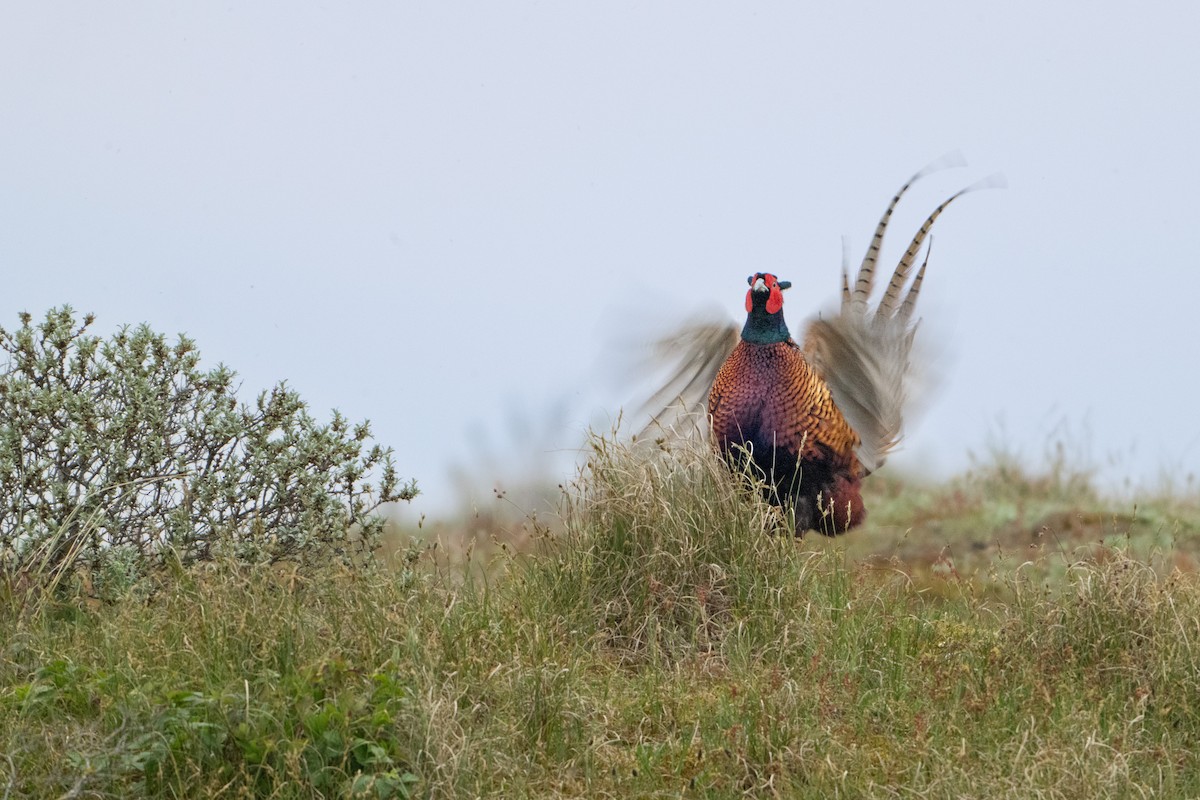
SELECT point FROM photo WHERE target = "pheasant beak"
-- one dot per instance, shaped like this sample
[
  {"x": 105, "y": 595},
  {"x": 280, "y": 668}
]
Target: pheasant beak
[{"x": 760, "y": 285}]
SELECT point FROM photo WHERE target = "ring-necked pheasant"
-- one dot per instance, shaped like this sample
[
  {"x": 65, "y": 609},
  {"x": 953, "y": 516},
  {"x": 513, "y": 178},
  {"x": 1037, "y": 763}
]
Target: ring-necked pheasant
[{"x": 815, "y": 418}]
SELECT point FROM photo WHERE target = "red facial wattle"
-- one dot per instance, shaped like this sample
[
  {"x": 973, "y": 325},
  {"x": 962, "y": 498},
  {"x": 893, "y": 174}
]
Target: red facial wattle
[{"x": 775, "y": 299}]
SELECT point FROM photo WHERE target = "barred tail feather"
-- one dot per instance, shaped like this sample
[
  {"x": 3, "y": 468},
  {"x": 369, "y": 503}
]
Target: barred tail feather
[
  {"x": 866, "y": 272},
  {"x": 905, "y": 312},
  {"x": 864, "y": 357}
]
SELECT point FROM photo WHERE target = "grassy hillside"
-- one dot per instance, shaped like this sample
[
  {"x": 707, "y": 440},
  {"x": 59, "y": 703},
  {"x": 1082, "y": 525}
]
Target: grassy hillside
[{"x": 999, "y": 635}]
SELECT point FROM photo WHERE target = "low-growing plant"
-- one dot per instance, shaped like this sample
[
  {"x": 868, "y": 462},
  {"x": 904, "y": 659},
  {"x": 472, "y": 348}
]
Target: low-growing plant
[
  {"x": 115, "y": 451},
  {"x": 663, "y": 641}
]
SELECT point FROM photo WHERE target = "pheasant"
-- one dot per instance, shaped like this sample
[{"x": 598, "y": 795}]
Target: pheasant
[{"x": 813, "y": 419}]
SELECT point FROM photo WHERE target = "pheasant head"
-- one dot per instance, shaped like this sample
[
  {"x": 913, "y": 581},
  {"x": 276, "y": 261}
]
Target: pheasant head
[{"x": 764, "y": 310}]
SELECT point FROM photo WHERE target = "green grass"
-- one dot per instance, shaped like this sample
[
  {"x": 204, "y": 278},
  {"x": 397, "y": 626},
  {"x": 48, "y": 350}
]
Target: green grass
[{"x": 999, "y": 635}]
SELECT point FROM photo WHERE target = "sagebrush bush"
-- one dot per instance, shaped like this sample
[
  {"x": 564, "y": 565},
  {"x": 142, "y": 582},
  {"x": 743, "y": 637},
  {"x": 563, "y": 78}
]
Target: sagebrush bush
[{"x": 125, "y": 446}]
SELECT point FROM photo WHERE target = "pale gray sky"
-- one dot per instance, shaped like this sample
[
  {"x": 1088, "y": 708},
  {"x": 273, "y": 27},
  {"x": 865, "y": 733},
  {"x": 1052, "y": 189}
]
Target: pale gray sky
[{"x": 429, "y": 214}]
